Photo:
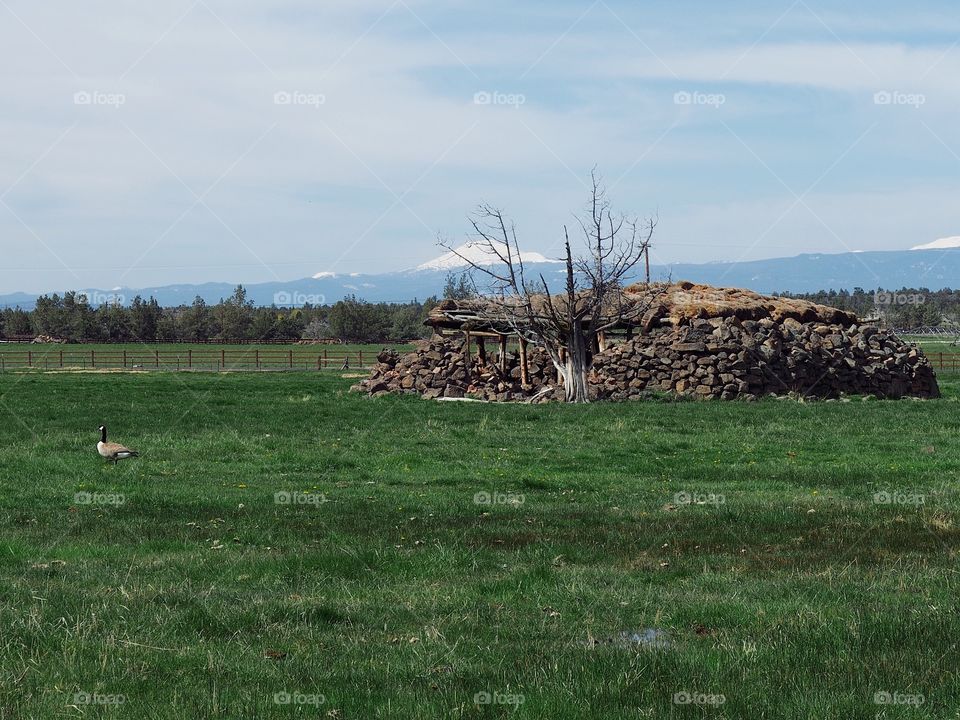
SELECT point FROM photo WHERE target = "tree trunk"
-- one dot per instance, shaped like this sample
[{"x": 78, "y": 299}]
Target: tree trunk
[{"x": 575, "y": 367}]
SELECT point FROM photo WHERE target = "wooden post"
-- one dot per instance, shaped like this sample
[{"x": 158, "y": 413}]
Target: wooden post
[
  {"x": 61, "y": 358},
  {"x": 190, "y": 357},
  {"x": 30, "y": 358},
  {"x": 524, "y": 373},
  {"x": 503, "y": 353},
  {"x": 466, "y": 355},
  {"x": 93, "y": 360},
  {"x": 563, "y": 359},
  {"x": 601, "y": 341},
  {"x": 256, "y": 357},
  {"x": 481, "y": 349},
  {"x": 156, "y": 358},
  {"x": 223, "y": 359},
  {"x": 290, "y": 352}
]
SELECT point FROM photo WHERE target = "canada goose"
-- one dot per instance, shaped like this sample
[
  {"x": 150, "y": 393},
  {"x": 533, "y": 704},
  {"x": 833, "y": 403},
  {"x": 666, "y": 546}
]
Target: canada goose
[{"x": 113, "y": 451}]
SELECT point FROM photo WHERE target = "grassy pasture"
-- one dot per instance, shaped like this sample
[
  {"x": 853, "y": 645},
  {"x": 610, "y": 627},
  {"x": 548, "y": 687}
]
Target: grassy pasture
[{"x": 743, "y": 544}]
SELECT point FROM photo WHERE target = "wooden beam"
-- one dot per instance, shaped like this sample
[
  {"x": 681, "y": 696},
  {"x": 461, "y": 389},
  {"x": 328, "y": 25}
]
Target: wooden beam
[
  {"x": 503, "y": 353},
  {"x": 481, "y": 350},
  {"x": 485, "y": 333},
  {"x": 524, "y": 373}
]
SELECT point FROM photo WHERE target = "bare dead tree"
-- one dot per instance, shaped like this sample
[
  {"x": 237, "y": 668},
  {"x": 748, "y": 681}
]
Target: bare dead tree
[{"x": 592, "y": 300}]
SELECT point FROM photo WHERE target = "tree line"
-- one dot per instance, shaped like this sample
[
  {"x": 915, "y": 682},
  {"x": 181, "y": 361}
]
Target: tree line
[
  {"x": 72, "y": 318},
  {"x": 351, "y": 319},
  {"x": 901, "y": 309}
]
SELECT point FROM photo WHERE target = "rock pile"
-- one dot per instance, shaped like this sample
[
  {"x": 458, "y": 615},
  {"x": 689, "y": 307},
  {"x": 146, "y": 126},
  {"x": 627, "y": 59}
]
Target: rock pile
[
  {"x": 438, "y": 368},
  {"x": 693, "y": 340},
  {"x": 728, "y": 358}
]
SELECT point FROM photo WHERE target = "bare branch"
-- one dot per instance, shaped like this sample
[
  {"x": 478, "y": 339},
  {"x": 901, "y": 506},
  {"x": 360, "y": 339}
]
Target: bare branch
[{"x": 593, "y": 299}]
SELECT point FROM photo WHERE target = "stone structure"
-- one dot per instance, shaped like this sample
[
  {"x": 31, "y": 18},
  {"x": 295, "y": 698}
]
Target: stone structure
[{"x": 693, "y": 340}]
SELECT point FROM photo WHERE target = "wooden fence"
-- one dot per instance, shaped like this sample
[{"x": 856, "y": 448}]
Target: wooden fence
[
  {"x": 27, "y": 339},
  {"x": 301, "y": 358},
  {"x": 944, "y": 362}
]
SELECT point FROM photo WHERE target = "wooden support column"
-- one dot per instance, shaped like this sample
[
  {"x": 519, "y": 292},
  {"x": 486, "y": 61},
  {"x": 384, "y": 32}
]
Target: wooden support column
[
  {"x": 503, "y": 353},
  {"x": 481, "y": 349},
  {"x": 524, "y": 373},
  {"x": 466, "y": 355},
  {"x": 601, "y": 341}
]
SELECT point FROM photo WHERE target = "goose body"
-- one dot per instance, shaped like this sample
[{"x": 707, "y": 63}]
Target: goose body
[{"x": 113, "y": 451}]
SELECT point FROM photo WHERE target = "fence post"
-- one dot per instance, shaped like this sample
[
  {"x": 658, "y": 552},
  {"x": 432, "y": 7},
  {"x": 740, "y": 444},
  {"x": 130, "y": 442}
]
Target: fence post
[
  {"x": 29, "y": 358},
  {"x": 223, "y": 358},
  {"x": 93, "y": 359},
  {"x": 124, "y": 359},
  {"x": 156, "y": 355},
  {"x": 290, "y": 352},
  {"x": 324, "y": 357},
  {"x": 61, "y": 358},
  {"x": 256, "y": 357},
  {"x": 190, "y": 358},
  {"x": 360, "y": 358}
]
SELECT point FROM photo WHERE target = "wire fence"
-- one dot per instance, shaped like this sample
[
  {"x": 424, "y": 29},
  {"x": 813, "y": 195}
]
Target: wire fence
[{"x": 301, "y": 358}]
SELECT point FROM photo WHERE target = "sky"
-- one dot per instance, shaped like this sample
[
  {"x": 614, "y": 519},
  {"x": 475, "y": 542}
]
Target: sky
[{"x": 189, "y": 141}]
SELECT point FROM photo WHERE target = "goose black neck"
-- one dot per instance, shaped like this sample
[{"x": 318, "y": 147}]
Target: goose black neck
[{"x": 103, "y": 434}]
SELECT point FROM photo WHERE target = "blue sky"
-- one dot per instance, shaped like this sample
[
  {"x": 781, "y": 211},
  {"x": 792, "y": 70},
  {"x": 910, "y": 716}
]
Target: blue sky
[{"x": 242, "y": 141}]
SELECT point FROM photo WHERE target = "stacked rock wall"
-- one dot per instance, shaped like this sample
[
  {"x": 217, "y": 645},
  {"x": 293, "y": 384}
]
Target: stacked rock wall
[
  {"x": 694, "y": 340},
  {"x": 720, "y": 358},
  {"x": 438, "y": 368},
  {"x": 727, "y": 359}
]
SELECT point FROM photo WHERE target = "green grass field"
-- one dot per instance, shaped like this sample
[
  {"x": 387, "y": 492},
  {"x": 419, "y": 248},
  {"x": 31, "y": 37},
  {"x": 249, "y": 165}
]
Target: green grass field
[{"x": 605, "y": 561}]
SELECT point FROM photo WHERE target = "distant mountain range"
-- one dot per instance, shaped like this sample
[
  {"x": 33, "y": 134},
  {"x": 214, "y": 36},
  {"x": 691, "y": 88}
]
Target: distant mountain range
[{"x": 934, "y": 266}]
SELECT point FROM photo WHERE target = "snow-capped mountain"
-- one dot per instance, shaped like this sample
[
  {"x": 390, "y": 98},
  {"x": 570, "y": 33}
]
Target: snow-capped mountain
[
  {"x": 941, "y": 244},
  {"x": 934, "y": 265},
  {"x": 479, "y": 254}
]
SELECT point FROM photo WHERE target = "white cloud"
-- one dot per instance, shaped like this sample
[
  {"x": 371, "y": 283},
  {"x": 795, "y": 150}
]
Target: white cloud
[{"x": 303, "y": 186}]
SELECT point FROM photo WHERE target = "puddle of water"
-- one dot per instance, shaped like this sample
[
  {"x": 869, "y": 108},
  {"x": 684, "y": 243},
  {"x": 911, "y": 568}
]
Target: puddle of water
[{"x": 648, "y": 638}]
